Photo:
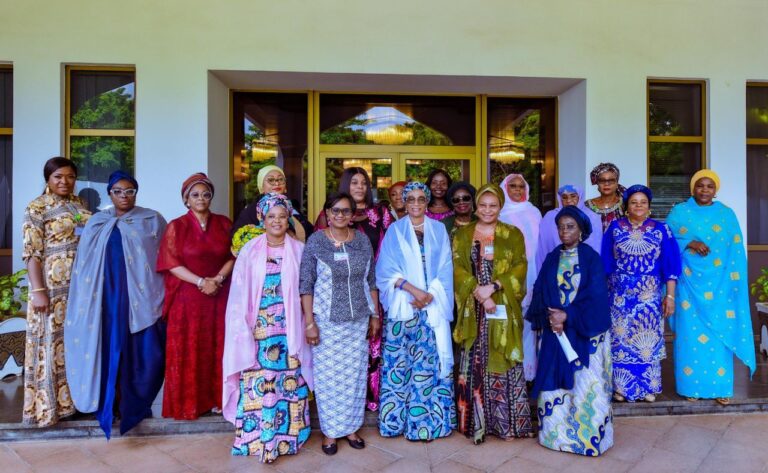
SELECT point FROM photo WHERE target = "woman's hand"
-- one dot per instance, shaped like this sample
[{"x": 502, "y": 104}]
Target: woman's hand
[
  {"x": 374, "y": 326},
  {"x": 482, "y": 293},
  {"x": 698, "y": 247},
  {"x": 421, "y": 298},
  {"x": 209, "y": 287},
  {"x": 489, "y": 306},
  {"x": 668, "y": 306},
  {"x": 39, "y": 301},
  {"x": 557, "y": 318},
  {"x": 312, "y": 334}
]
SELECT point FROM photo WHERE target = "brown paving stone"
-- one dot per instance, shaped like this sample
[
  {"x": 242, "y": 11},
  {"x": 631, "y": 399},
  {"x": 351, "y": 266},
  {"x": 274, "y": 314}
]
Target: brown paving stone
[
  {"x": 718, "y": 422},
  {"x": 338, "y": 466},
  {"x": 10, "y": 461},
  {"x": 657, "y": 423},
  {"x": 549, "y": 458},
  {"x": 450, "y": 466},
  {"x": 133, "y": 455},
  {"x": 442, "y": 448},
  {"x": 522, "y": 465},
  {"x": 492, "y": 453},
  {"x": 602, "y": 464},
  {"x": 629, "y": 443},
  {"x": 175, "y": 442},
  {"x": 71, "y": 459},
  {"x": 695, "y": 442},
  {"x": 370, "y": 457},
  {"x": 207, "y": 455},
  {"x": 407, "y": 465},
  {"x": 728, "y": 456},
  {"x": 398, "y": 446},
  {"x": 657, "y": 460},
  {"x": 307, "y": 460}
]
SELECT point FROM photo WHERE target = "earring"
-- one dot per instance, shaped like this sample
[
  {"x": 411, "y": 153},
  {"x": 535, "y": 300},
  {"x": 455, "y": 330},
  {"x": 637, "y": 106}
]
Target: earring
[{"x": 47, "y": 189}]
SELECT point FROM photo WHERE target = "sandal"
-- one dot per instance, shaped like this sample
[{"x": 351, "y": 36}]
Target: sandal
[
  {"x": 723, "y": 401},
  {"x": 650, "y": 398},
  {"x": 618, "y": 397},
  {"x": 691, "y": 399}
]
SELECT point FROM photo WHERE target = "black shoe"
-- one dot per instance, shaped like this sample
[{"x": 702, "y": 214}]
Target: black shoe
[
  {"x": 356, "y": 444},
  {"x": 330, "y": 449}
]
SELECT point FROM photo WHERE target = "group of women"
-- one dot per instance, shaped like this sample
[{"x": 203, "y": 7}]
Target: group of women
[{"x": 445, "y": 309}]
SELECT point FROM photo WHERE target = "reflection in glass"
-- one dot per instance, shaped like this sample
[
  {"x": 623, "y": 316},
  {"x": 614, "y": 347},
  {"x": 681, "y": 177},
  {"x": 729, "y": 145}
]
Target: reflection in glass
[
  {"x": 757, "y": 112},
  {"x": 271, "y": 129},
  {"x": 521, "y": 139},
  {"x": 671, "y": 167},
  {"x": 757, "y": 195},
  {"x": 6, "y": 98},
  {"x": 397, "y": 120},
  {"x": 378, "y": 169},
  {"x": 6, "y": 191},
  {"x": 96, "y": 158},
  {"x": 419, "y": 169},
  {"x": 674, "y": 109},
  {"x": 102, "y": 100}
]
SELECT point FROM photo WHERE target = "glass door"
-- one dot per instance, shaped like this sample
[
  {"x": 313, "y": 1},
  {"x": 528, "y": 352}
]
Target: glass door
[{"x": 379, "y": 166}]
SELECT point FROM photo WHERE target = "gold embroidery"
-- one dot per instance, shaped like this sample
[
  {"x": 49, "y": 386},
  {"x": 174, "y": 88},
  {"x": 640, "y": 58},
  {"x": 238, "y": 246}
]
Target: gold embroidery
[
  {"x": 718, "y": 262},
  {"x": 737, "y": 238},
  {"x": 731, "y": 314},
  {"x": 703, "y": 339},
  {"x": 735, "y": 276},
  {"x": 686, "y": 305},
  {"x": 716, "y": 228},
  {"x": 721, "y": 372},
  {"x": 687, "y": 370},
  {"x": 709, "y": 295}
]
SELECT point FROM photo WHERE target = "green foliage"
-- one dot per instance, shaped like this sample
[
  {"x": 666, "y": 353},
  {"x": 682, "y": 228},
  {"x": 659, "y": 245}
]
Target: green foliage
[
  {"x": 97, "y": 156},
  {"x": 759, "y": 288},
  {"x": 12, "y": 293}
]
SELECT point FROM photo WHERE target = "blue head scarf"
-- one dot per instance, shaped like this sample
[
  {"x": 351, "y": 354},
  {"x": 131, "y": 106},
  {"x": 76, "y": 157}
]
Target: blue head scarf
[
  {"x": 581, "y": 219},
  {"x": 416, "y": 185},
  {"x": 634, "y": 190},
  {"x": 268, "y": 202},
  {"x": 119, "y": 175}
]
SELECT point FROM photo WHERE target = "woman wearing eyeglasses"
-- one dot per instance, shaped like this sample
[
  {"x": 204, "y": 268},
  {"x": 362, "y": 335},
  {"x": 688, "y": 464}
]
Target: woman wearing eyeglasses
[
  {"x": 113, "y": 340},
  {"x": 272, "y": 179},
  {"x": 196, "y": 263},
  {"x": 608, "y": 205},
  {"x": 340, "y": 303},
  {"x": 461, "y": 200}
]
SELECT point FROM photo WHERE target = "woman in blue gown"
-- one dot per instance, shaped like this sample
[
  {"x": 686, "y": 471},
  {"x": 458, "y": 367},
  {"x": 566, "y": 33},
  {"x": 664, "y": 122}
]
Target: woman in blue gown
[{"x": 113, "y": 341}]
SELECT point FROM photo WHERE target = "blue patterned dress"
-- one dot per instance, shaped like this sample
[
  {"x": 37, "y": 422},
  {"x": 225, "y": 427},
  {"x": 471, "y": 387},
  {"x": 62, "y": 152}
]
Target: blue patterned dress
[
  {"x": 415, "y": 400},
  {"x": 273, "y": 409},
  {"x": 579, "y": 420},
  {"x": 638, "y": 261}
]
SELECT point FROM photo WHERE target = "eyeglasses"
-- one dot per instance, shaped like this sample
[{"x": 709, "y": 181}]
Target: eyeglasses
[
  {"x": 346, "y": 211},
  {"x": 607, "y": 181},
  {"x": 416, "y": 200},
  {"x": 516, "y": 186},
  {"x": 463, "y": 198},
  {"x": 279, "y": 218},
  {"x": 567, "y": 226},
  {"x": 201, "y": 195},
  {"x": 118, "y": 192},
  {"x": 275, "y": 181}
]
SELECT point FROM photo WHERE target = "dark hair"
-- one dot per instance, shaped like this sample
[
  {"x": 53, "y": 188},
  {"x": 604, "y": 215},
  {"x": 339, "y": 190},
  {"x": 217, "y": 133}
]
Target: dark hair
[
  {"x": 457, "y": 186},
  {"x": 431, "y": 176},
  {"x": 334, "y": 199},
  {"x": 56, "y": 163},
  {"x": 346, "y": 181}
]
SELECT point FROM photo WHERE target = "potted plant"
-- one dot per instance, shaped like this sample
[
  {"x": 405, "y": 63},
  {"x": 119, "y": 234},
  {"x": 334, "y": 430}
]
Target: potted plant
[
  {"x": 759, "y": 290},
  {"x": 13, "y": 325}
]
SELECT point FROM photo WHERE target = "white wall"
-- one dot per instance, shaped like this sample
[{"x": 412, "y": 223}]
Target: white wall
[{"x": 615, "y": 45}]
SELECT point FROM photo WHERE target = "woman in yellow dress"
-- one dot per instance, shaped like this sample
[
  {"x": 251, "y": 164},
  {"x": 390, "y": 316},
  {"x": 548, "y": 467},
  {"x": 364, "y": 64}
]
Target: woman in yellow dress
[{"x": 52, "y": 226}]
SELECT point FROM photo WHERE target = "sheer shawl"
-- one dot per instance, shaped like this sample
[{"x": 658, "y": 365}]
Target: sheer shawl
[
  {"x": 243, "y": 308},
  {"x": 141, "y": 230},
  {"x": 400, "y": 258}
]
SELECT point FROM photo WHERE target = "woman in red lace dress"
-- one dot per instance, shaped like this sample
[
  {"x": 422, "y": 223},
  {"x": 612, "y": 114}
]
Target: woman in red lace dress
[{"x": 196, "y": 261}]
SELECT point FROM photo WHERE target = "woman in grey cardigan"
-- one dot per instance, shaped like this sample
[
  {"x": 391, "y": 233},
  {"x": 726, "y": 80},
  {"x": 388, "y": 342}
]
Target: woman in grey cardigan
[{"x": 339, "y": 297}]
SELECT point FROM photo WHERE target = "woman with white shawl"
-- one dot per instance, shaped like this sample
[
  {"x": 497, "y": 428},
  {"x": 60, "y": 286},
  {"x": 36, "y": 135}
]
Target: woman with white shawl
[
  {"x": 521, "y": 213},
  {"x": 414, "y": 274}
]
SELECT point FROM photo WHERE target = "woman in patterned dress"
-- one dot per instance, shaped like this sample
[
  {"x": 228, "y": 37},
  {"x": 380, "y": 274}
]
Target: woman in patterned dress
[
  {"x": 489, "y": 277},
  {"x": 608, "y": 205},
  {"x": 415, "y": 280},
  {"x": 267, "y": 363},
  {"x": 438, "y": 182},
  {"x": 52, "y": 226},
  {"x": 340, "y": 302},
  {"x": 371, "y": 219},
  {"x": 642, "y": 262},
  {"x": 570, "y": 309}
]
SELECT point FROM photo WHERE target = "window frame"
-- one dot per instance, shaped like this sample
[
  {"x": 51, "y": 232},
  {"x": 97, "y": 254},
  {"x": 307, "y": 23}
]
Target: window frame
[
  {"x": 7, "y": 131},
  {"x": 754, "y": 142}
]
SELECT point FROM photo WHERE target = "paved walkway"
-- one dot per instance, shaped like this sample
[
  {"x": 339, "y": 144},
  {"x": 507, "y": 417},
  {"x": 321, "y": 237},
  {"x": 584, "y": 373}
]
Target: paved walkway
[{"x": 712, "y": 443}]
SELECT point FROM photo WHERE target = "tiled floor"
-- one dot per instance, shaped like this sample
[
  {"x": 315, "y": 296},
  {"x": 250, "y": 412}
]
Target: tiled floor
[{"x": 713, "y": 443}]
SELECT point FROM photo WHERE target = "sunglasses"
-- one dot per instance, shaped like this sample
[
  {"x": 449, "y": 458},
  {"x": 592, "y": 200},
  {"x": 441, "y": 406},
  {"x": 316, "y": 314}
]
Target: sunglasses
[
  {"x": 607, "y": 181},
  {"x": 460, "y": 199},
  {"x": 346, "y": 211},
  {"x": 416, "y": 200},
  {"x": 118, "y": 192}
]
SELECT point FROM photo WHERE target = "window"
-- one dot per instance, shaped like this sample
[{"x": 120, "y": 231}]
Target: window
[
  {"x": 757, "y": 163},
  {"x": 6, "y": 157},
  {"x": 676, "y": 140},
  {"x": 100, "y": 127}
]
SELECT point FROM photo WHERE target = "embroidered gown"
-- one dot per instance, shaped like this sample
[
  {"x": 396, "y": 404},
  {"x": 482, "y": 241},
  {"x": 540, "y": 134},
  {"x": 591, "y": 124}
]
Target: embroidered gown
[
  {"x": 273, "y": 409},
  {"x": 638, "y": 263}
]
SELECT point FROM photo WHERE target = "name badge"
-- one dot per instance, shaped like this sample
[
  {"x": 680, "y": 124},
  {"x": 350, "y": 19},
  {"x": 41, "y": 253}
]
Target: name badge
[
  {"x": 340, "y": 256},
  {"x": 489, "y": 250},
  {"x": 500, "y": 314}
]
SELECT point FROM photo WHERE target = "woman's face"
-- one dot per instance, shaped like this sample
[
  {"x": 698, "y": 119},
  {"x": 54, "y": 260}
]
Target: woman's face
[
  {"x": 516, "y": 189},
  {"x": 121, "y": 199},
  {"x": 569, "y": 198},
  {"x": 274, "y": 181},
  {"x": 568, "y": 231},
  {"x": 62, "y": 181},
  {"x": 488, "y": 208},
  {"x": 704, "y": 191},
  {"x": 276, "y": 222},
  {"x": 358, "y": 188},
  {"x": 396, "y": 197},
  {"x": 339, "y": 214},
  {"x": 199, "y": 198},
  {"x": 416, "y": 203},
  {"x": 439, "y": 186},
  {"x": 638, "y": 206},
  {"x": 462, "y": 202},
  {"x": 607, "y": 183}
]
